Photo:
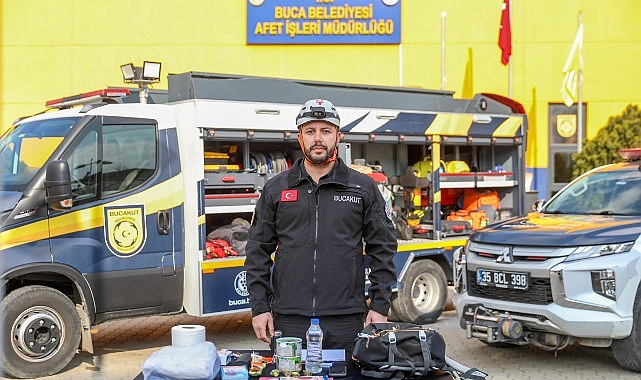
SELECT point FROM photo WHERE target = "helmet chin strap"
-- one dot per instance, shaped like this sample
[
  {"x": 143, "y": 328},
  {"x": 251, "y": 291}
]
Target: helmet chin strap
[{"x": 329, "y": 159}]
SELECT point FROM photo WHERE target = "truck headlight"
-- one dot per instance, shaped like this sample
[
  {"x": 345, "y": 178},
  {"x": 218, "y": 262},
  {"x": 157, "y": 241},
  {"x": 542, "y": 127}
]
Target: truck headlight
[
  {"x": 604, "y": 283},
  {"x": 590, "y": 251}
]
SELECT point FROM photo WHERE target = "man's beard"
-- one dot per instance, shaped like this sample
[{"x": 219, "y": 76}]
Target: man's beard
[{"x": 316, "y": 160}]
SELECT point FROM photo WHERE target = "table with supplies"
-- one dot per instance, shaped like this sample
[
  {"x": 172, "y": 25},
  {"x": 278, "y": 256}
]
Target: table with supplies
[
  {"x": 240, "y": 358},
  {"x": 381, "y": 350}
]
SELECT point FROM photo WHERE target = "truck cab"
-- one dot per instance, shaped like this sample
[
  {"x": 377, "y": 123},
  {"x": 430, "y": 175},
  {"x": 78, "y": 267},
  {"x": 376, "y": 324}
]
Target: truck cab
[
  {"x": 567, "y": 273},
  {"x": 91, "y": 218}
]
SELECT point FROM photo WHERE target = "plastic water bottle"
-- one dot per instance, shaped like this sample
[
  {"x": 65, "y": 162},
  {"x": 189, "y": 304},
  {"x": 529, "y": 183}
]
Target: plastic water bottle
[{"x": 314, "y": 361}]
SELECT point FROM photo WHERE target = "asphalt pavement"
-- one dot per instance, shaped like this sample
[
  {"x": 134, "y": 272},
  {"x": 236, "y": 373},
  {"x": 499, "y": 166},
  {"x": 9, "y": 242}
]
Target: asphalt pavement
[{"x": 122, "y": 346}]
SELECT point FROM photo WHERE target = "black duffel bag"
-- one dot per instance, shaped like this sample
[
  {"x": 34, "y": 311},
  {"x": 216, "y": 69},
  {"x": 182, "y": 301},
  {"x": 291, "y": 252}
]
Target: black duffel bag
[
  {"x": 401, "y": 350},
  {"x": 405, "y": 350}
]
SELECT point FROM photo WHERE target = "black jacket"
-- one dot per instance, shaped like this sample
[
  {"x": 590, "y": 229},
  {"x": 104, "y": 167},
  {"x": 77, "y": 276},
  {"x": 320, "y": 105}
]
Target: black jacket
[{"x": 318, "y": 232}]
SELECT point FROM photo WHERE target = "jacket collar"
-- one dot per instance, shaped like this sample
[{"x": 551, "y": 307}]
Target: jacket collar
[{"x": 338, "y": 175}]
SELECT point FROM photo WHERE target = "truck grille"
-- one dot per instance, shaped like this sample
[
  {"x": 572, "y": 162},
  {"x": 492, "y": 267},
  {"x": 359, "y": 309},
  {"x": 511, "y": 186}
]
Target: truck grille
[{"x": 539, "y": 292}]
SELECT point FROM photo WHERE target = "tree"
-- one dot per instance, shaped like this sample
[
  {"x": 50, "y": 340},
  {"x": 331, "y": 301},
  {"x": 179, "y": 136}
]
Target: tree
[{"x": 621, "y": 131}]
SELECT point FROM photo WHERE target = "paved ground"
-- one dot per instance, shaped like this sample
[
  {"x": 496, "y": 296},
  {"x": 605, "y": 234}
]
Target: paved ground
[{"x": 122, "y": 347}]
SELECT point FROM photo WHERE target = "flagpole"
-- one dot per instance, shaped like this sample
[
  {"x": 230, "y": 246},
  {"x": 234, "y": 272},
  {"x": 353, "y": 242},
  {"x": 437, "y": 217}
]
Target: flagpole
[
  {"x": 505, "y": 41},
  {"x": 400, "y": 64},
  {"x": 509, "y": 78},
  {"x": 443, "y": 78},
  {"x": 509, "y": 67},
  {"x": 579, "y": 107}
]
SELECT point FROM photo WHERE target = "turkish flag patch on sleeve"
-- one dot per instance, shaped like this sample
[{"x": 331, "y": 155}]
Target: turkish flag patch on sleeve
[{"x": 288, "y": 195}]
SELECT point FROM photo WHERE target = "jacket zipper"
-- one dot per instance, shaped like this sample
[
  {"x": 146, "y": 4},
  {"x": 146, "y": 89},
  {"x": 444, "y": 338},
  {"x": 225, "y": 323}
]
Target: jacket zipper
[{"x": 315, "y": 251}]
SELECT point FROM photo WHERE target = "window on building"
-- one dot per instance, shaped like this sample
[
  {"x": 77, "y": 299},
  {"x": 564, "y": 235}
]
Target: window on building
[{"x": 562, "y": 141}]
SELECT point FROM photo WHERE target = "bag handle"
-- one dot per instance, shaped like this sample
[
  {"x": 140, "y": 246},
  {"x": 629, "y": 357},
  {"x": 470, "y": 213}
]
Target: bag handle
[
  {"x": 393, "y": 350},
  {"x": 425, "y": 350}
]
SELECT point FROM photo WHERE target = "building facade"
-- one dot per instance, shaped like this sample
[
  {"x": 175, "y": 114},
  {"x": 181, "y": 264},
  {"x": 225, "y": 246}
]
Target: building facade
[{"x": 56, "y": 48}]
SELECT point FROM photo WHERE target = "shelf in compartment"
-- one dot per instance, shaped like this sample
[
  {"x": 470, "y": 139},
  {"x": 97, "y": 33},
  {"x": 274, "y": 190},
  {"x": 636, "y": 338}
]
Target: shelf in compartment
[
  {"x": 229, "y": 199},
  {"x": 229, "y": 209},
  {"x": 477, "y": 180},
  {"x": 471, "y": 185},
  {"x": 227, "y": 180}
]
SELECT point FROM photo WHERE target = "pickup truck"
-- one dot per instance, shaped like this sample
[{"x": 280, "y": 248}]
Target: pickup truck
[{"x": 567, "y": 273}]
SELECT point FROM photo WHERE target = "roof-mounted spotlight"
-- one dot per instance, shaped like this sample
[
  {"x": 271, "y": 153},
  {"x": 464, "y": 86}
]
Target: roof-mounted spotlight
[
  {"x": 143, "y": 76},
  {"x": 151, "y": 71},
  {"x": 128, "y": 72}
]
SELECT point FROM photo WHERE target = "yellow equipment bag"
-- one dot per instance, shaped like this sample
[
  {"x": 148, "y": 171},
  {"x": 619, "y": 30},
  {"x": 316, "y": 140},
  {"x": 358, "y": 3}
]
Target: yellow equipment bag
[
  {"x": 457, "y": 167},
  {"x": 423, "y": 168}
]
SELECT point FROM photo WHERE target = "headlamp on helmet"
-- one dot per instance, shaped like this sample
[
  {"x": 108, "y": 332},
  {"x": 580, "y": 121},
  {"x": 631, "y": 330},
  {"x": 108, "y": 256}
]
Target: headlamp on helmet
[{"x": 318, "y": 110}]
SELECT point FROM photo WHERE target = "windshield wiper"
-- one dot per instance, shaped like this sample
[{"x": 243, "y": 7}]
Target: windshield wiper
[
  {"x": 607, "y": 212},
  {"x": 553, "y": 212}
]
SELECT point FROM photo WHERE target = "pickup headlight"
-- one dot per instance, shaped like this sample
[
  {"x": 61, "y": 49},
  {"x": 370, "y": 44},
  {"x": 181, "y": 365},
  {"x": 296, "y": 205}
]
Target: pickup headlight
[{"x": 590, "y": 251}]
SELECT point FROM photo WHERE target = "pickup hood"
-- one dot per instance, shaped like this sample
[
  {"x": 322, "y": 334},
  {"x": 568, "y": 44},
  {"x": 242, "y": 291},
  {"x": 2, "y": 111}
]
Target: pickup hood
[{"x": 537, "y": 229}]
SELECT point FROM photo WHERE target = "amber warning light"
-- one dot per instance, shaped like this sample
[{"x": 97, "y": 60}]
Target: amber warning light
[{"x": 87, "y": 97}]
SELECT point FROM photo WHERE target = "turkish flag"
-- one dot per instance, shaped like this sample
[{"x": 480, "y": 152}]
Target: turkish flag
[
  {"x": 288, "y": 195},
  {"x": 505, "y": 33}
]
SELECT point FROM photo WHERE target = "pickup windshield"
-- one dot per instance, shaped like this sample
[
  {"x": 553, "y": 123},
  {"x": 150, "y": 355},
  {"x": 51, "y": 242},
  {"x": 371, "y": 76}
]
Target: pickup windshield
[
  {"x": 610, "y": 192},
  {"x": 25, "y": 148}
]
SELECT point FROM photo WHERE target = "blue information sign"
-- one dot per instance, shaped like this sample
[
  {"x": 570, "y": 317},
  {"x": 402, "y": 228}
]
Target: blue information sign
[{"x": 307, "y": 22}]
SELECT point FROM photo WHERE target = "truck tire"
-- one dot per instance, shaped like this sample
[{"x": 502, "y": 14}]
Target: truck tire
[
  {"x": 42, "y": 331},
  {"x": 422, "y": 298},
  {"x": 627, "y": 351}
]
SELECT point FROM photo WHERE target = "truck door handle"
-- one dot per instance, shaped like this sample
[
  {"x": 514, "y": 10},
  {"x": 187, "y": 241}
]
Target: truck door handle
[{"x": 163, "y": 222}]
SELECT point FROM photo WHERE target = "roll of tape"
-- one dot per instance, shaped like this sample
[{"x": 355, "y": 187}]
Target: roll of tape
[{"x": 184, "y": 335}]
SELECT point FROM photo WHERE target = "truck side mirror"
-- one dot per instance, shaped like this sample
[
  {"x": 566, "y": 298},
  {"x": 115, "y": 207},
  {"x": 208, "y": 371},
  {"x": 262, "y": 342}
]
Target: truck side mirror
[{"x": 58, "y": 185}]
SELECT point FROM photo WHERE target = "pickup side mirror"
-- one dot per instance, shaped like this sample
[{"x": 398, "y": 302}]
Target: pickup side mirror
[
  {"x": 58, "y": 185},
  {"x": 538, "y": 205}
]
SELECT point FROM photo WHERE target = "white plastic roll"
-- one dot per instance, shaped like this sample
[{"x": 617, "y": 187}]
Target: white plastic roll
[{"x": 184, "y": 335}]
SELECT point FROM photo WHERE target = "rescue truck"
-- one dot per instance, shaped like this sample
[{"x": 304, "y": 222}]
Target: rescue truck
[
  {"x": 116, "y": 208},
  {"x": 567, "y": 273}
]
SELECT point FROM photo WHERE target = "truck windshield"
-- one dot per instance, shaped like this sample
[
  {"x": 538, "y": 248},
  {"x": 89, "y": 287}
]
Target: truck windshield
[
  {"x": 601, "y": 193},
  {"x": 25, "y": 148}
]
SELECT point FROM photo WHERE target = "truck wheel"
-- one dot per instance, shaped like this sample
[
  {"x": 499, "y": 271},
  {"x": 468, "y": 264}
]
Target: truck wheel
[
  {"x": 422, "y": 298},
  {"x": 627, "y": 351},
  {"x": 42, "y": 330}
]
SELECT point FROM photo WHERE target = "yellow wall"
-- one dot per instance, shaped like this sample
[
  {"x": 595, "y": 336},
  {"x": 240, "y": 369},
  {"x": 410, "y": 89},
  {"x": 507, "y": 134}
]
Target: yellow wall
[{"x": 55, "y": 48}]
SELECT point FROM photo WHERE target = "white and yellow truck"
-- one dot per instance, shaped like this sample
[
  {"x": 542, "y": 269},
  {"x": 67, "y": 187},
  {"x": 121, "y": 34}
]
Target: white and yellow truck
[{"x": 106, "y": 203}]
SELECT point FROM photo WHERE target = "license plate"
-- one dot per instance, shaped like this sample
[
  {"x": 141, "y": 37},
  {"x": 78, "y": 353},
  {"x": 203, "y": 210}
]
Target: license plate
[{"x": 503, "y": 279}]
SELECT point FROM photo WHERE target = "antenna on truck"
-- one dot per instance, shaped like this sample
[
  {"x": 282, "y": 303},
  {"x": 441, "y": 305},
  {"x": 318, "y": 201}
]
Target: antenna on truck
[{"x": 143, "y": 76}]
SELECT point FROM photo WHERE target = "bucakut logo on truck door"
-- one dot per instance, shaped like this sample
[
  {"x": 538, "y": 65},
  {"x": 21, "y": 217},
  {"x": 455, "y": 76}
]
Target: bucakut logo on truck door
[{"x": 125, "y": 229}]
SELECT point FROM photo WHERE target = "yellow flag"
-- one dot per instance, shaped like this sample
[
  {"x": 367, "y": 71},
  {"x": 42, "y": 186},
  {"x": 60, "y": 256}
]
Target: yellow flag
[
  {"x": 468, "y": 81},
  {"x": 571, "y": 70}
]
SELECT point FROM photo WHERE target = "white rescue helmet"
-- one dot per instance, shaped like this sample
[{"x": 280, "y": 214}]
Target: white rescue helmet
[{"x": 318, "y": 109}]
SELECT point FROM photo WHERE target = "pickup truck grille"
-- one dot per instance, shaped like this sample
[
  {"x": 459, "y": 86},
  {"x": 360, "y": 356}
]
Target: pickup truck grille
[{"x": 539, "y": 292}]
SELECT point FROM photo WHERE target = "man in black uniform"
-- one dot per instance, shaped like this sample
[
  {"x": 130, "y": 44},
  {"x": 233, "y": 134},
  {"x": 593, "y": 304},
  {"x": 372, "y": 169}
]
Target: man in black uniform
[{"x": 316, "y": 217}]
